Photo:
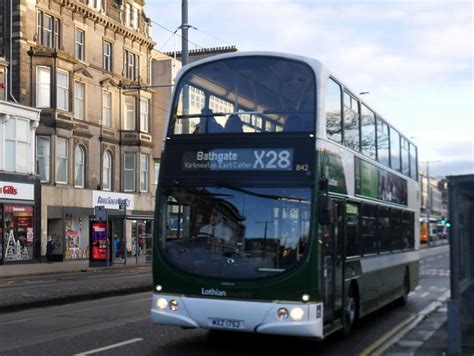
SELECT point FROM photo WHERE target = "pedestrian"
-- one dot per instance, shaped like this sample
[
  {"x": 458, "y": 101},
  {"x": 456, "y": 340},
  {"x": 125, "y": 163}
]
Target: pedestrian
[
  {"x": 116, "y": 246},
  {"x": 49, "y": 249}
]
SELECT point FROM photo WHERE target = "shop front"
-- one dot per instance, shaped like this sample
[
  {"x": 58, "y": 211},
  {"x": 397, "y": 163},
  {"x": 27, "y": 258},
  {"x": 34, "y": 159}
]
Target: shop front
[
  {"x": 19, "y": 218},
  {"x": 131, "y": 229}
]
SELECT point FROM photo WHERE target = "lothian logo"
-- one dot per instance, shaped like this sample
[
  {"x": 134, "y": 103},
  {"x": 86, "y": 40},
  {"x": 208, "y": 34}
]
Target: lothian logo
[{"x": 8, "y": 190}]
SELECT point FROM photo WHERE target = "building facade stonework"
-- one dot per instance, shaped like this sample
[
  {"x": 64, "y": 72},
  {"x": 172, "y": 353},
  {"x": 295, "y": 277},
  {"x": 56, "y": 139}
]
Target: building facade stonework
[{"x": 73, "y": 59}]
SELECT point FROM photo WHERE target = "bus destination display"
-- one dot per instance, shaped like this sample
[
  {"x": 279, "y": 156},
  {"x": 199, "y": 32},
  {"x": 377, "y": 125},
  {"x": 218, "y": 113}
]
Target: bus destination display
[{"x": 248, "y": 159}]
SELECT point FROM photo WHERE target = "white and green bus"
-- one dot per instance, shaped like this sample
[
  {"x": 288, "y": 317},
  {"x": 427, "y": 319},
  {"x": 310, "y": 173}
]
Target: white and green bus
[{"x": 285, "y": 204}]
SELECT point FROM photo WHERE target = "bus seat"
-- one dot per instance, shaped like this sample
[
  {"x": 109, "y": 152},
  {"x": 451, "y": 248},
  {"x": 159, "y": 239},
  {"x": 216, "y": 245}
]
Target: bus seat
[{"x": 233, "y": 124}]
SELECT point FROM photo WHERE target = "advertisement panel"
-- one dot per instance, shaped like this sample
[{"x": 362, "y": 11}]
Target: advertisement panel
[
  {"x": 377, "y": 183},
  {"x": 99, "y": 241}
]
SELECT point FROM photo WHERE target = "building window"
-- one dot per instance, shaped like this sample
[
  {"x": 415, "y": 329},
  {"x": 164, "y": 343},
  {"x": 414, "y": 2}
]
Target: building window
[
  {"x": 107, "y": 171},
  {"x": 127, "y": 14},
  {"x": 144, "y": 160},
  {"x": 43, "y": 157},
  {"x": 43, "y": 87},
  {"x": 144, "y": 116},
  {"x": 62, "y": 90},
  {"x": 97, "y": 4},
  {"x": 80, "y": 37},
  {"x": 129, "y": 113},
  {"x": 130, "y": 65},
  {"x": 107, "y": 48},
  {"x": 16, "y": 145},
  {"x": 135, "y": 18},
  {"x": 61, "y": 160},
  {"x": 129, "y": 168},
  {"x": 107, "y": 108},
  {"x": 79, "y": 167},
  {"x": 48, "y": 30},
  {"x": 79, "y": 90}
]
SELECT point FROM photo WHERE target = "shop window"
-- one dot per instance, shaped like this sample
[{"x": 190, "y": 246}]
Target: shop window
[
  {"x": 141, "y": 237},
  {"x": 19, "y": 235}
]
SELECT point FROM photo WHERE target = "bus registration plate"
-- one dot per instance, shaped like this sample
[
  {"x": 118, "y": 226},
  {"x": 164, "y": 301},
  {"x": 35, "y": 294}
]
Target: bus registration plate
[{"x": 226, "y": 323}]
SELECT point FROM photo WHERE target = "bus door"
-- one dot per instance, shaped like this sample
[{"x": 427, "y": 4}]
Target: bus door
[{"x": 332, "y": 242}]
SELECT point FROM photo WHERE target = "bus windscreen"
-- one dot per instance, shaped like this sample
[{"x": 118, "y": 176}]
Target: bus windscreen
[
  {"x": 234, "y": 233},
  {"x": 254, "y": 94}
]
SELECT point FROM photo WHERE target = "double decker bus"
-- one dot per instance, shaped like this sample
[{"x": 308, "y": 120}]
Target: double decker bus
[{"x": 285, "y": 204}]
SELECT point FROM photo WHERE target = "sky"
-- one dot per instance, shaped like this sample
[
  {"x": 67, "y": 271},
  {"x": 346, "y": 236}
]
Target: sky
[{"x": 415, "y": 58}]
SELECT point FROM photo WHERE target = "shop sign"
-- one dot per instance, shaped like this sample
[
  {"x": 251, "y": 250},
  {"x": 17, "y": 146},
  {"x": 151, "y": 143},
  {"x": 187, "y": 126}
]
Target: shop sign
[
  {"x": 17, "y": 209},
  {"x": 111, "y": 200},
  {"x": 17, "y": 191}
]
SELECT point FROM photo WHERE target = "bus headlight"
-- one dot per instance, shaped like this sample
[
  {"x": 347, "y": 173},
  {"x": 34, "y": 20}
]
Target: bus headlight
[
  {"x": 282, "y": 313},
  {"x": 305, "y": 298},
  {"x": 161, "y": 303},
  {"x": 173, "y": 305},
  {"x": 297, "y": 314},
  {"x": 158, "y": 288}
]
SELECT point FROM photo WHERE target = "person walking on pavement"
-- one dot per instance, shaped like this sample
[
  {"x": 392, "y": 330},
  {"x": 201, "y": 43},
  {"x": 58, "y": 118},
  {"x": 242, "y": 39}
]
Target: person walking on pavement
[{"x": 49, "y": 249}]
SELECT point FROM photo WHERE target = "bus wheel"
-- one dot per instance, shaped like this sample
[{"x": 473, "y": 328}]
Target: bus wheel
[
  {"x": 402, "y": 301},
  {"x": 350, "y": 310}
]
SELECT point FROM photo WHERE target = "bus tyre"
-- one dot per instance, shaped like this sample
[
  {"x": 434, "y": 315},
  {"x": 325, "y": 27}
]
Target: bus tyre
[
  {"x": 402, "y": 301},
  {"x": 351, "y": 308}
]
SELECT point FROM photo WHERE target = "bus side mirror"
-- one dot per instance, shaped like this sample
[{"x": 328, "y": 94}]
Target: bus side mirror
[{"x": 325, "y": 210}]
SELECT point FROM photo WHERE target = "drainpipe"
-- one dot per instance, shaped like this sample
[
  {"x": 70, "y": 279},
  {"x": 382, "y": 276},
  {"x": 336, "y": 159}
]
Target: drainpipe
[{"x": 10, "y": 72}]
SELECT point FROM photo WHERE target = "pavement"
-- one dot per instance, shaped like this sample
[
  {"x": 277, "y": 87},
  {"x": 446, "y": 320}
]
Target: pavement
[
  {"x": 26, "y": 285},
  {"x": 42, "y": 284}
]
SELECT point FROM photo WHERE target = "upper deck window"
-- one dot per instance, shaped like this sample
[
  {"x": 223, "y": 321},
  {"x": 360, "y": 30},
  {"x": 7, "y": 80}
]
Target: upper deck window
[{"x": 245, "y": 95}]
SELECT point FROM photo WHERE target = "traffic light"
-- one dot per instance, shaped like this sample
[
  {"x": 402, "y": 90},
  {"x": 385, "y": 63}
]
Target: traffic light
[
  {"x": 447, "y": 224},
  {"x": 443, "y": 220}
]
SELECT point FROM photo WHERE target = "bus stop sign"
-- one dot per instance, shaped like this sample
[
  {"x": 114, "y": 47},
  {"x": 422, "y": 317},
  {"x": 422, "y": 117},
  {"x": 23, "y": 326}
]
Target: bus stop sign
[{"x": 100, "y": 213}]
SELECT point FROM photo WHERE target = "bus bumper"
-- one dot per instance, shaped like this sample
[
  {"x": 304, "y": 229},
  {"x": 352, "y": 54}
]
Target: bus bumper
[{"x": 303, "y": 319}]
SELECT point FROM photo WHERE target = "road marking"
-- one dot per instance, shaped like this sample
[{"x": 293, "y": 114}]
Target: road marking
[
  {"x": 131, "y": 341},
  {"x": 387, "y": 336},
  {"x": 395, "y": 334}
]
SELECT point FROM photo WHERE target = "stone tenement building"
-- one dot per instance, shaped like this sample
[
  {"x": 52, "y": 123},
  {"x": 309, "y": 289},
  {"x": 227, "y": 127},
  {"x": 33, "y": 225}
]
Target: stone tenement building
[{"x": 71, "y": 59}]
